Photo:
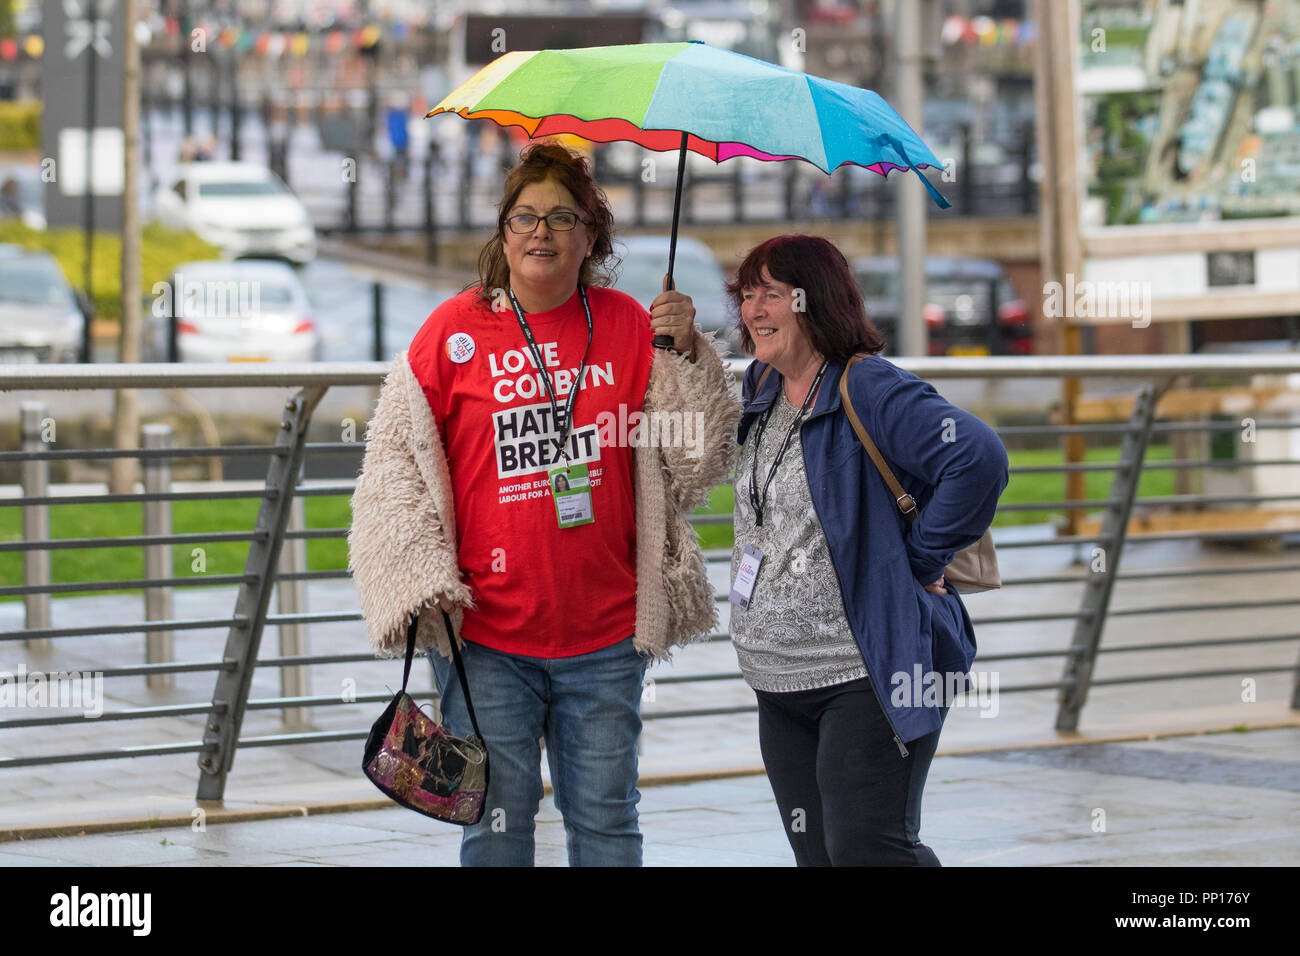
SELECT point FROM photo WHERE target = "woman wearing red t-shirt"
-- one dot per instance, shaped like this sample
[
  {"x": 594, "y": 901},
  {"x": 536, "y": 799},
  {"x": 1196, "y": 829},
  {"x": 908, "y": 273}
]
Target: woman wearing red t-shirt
[{"x": 509, "y": 478}]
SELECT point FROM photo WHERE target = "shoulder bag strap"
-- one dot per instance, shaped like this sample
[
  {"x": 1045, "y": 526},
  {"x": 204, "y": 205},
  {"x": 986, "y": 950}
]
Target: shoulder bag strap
[
  {"x": 455, "y": 653},
  {"x": 904, "y": 501}
]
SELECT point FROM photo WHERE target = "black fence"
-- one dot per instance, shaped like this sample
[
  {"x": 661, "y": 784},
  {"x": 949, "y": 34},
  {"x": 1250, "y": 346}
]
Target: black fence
[{"x": 341, "y": 163}]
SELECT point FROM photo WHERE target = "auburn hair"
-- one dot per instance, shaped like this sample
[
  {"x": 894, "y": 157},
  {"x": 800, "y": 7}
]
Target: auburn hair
[
  {"x": 539, "y": 162},
  {"x": 833, "y": 316}
]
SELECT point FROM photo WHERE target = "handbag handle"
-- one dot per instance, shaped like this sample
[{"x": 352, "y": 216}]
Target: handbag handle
[
  {"x": 906, "y": 504},
  {"x": 455, "y": 653}
]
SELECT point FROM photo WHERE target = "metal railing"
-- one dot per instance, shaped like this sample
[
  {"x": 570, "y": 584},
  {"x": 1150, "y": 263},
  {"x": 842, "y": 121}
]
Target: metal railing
[{"x": 269, "y": 562}]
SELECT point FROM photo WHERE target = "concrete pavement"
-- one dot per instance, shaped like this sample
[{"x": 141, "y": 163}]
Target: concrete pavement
[{"x": 1213, "y": 800}]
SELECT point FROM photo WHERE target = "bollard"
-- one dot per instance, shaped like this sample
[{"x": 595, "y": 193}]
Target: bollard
[
  {"x": 291, "y": 598},
  {"x": 36, "y": 523},
  {"x": 157, "y": 557}
]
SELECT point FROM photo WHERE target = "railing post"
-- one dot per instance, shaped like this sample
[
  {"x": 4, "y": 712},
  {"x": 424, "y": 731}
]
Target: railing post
[
  {"x": 967, "y": 171},
  {"x": 354, "y": 187},
  {"x": 688, "y": 191},
  {"x": 230, "y": 695},
  {"x": 1028, "y": 191},
  {"x": 466, "y": 184},
  {"x": 390, "y": 194},
  {"x": 236, "y": 112},
  {"x": 377, "y": 320},
  {"x": 430, "y": 209},
  {"x": 36, "y": 522},
  {"x": 638, "y": 198},
  {"x": 157, "y": 557},
  {"x": 1101, "y": 581},
  {"x": 291, "y": 598}
]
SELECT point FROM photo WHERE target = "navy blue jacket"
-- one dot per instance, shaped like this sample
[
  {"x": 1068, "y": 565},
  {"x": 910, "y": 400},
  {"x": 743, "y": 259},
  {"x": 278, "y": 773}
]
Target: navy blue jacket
[{"x": 952, "y": 464}]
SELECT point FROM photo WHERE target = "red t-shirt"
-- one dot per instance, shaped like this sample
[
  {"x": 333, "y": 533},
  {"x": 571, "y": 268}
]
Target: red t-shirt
[{"x": 539, "y": 590}]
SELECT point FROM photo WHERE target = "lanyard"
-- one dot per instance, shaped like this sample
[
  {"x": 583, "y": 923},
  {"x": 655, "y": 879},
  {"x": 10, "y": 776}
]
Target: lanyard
[
  {"x": 565, "y": 425},
  {"x": 757, "y": 503}
]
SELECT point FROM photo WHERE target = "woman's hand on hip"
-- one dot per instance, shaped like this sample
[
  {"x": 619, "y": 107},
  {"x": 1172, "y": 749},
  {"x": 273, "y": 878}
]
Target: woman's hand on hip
[
  {"x": 673, "y": 313},
  {"x": 937, "y": 587}
]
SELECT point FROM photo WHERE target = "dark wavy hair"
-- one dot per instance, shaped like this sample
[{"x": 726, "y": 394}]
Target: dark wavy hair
[
  {"x": 539, "y": 162},
  {"x": 833, "y": 318}
]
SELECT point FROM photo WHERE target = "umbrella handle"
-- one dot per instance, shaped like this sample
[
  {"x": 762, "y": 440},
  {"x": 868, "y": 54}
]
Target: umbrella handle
[{"x": 666, "y": 341}]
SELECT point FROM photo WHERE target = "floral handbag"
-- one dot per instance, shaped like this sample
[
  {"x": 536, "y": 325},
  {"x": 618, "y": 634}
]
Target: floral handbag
[{"x": 419, "y": 763}]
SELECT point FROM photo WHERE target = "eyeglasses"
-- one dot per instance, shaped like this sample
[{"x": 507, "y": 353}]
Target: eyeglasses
[{"x": 525, "y": 222}]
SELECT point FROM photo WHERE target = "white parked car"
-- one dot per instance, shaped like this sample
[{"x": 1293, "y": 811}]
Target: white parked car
[
  {"x": 696, "y": 272},
  {"x": 242, "y": 207},
  {"x": 41, "y": 318},
  {"x": 251, "y": 310}
]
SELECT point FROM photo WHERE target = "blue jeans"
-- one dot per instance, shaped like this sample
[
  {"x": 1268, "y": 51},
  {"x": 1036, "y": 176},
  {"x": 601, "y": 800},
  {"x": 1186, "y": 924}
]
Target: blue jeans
[{"x": 588, "y": 708}]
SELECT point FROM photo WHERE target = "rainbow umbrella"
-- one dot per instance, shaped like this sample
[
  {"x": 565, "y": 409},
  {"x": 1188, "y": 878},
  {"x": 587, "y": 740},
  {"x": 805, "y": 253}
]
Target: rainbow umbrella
[{"x": 692, "y": 96}]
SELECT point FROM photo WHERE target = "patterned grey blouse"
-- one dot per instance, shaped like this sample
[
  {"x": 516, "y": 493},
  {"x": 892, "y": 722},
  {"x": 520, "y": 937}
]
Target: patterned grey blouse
[{"x": 794, "y": 635}]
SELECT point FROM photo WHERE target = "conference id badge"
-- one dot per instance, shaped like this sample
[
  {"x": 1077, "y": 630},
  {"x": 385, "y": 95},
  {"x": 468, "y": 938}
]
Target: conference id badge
[
  {"x": 571, "y": 491},
  {"x": 743, "y": 587}
]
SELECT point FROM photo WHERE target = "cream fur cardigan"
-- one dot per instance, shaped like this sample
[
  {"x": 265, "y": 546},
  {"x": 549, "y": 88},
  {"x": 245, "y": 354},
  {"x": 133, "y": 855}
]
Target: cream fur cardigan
[{"x": 402, "y": 542}]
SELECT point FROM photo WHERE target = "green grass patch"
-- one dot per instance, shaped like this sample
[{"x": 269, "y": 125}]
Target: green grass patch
[
  {"x": 1023, "y": 489},
  {"x": 193, "y": 517},
  {"x": 721, "y": 501},
  {"x": 188, "y": 517}
]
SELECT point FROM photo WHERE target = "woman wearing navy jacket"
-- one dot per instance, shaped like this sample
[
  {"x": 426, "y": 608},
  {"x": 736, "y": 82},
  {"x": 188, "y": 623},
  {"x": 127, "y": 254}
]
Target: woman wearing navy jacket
[{"x": 836, "y": 600}]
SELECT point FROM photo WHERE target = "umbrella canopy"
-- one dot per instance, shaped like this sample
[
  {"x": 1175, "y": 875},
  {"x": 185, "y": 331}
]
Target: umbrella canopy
[{"x": 672, "y": 95}]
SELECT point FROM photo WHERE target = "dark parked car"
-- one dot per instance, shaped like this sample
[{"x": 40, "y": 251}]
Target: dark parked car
[{"x": 971, "y": 308}]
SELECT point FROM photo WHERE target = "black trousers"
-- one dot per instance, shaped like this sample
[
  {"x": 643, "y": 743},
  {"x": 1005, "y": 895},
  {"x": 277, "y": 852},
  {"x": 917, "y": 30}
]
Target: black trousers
[{"x": 847, "y": 796}]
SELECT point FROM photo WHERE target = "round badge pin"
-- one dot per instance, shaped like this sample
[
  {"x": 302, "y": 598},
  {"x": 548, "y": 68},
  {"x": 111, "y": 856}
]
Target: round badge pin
[{"x": 460, "y": 347}]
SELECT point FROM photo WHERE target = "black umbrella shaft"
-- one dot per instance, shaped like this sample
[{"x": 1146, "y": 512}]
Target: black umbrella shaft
[
  {"x": 666, "y": 341},
  {"x": 677, "y": 210}
]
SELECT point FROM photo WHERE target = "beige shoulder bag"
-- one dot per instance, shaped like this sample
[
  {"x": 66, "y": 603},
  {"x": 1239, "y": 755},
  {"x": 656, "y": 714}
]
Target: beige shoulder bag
[{"x": 974, "y": 568}]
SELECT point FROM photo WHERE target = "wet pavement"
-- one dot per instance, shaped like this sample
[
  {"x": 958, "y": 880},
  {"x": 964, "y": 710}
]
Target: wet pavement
[{"x": 1211, "y": 800}]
